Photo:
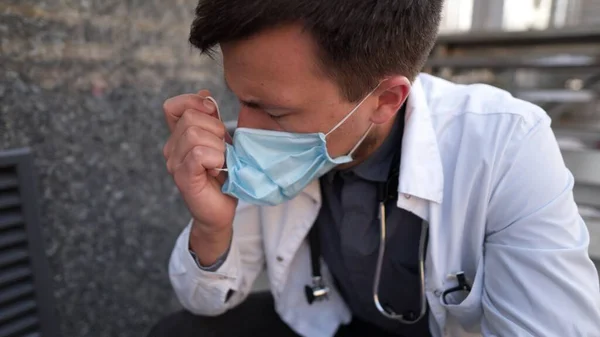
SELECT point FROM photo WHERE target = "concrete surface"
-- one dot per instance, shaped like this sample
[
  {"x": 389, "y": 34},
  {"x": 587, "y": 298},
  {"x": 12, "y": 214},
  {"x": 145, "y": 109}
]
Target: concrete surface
[{"x": 82, "y": 83}]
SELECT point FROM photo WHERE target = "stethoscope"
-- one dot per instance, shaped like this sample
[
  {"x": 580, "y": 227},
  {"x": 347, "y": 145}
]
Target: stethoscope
[
  {"x": 387, "y": 191},
  {"x": 318, "y": 290}
]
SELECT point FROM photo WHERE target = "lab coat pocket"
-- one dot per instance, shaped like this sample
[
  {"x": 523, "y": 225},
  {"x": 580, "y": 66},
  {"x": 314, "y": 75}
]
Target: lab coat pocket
[{"x": 464, "y": 307}]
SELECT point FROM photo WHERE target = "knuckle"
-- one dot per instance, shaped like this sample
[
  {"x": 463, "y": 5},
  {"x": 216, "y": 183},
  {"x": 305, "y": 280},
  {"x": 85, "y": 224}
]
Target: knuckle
[
  {"x": 198, "y": 153},
  {"x": 221, "y": 130},
  {"x": 186, "y": 117},
  {"x": 190, "y": 117},
  {"x": 194, "y": 166},
  {"x": 169, "y": 103},
  {"x": 190, "y": 133}
]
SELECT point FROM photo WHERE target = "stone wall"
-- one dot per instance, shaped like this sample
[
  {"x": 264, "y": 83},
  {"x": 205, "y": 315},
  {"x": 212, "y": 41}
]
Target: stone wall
[{"x": 82, "y": 83}]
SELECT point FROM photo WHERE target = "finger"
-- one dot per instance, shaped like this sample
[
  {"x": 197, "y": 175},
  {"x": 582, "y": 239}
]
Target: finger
[
  {"x": 221, "y": 176},
  {"x": 193, "y": 118},
  {"x": 204, "y": 93},
  {"x": 201, "y": 159},
  {"x": 228, "y": 138},
  {"x": 192, "y": 137},
  {"x": 175, "y": 107},
  {"x": 187, "y": 174}
]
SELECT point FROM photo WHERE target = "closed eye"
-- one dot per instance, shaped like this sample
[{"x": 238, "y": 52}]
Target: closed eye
[
  {"x": 250, "y": 105},
  {"x": 255, "y": 106}
]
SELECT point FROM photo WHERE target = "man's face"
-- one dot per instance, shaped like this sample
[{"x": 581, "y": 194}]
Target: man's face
[{"x": 276, "y": 76}]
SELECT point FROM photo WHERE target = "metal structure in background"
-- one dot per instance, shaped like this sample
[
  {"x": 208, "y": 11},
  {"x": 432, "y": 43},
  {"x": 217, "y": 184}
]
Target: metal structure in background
[
  {"x": 558, "y": 70},
  {"x": 26, "y": 298},
  {"x": 467, "y": 16}
]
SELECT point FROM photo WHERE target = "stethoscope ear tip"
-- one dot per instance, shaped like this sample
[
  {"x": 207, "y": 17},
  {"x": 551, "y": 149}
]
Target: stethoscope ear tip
[{"x": 316, "y": 292}]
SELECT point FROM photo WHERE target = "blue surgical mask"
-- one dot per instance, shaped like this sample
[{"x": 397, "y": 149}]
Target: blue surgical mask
[{"x": 268, "y": 168}]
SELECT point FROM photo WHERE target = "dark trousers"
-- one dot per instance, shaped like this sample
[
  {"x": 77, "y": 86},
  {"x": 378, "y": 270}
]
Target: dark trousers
[{"x": 256, "y": 316}]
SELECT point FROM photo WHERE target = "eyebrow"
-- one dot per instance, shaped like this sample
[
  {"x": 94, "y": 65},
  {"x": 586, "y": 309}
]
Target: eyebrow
[{"x": 257, "y": 103}]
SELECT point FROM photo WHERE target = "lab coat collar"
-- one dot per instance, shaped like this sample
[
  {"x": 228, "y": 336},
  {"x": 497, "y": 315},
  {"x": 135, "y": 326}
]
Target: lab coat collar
[{"x": 421, "y": 171}]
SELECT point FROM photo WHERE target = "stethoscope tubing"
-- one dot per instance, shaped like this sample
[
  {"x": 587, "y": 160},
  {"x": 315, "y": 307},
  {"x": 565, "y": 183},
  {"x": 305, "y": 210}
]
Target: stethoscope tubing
[{"x": 422, "y": 241}]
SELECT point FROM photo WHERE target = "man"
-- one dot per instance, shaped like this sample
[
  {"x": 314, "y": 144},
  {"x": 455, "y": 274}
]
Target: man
[{"x": 335, "y": 119}]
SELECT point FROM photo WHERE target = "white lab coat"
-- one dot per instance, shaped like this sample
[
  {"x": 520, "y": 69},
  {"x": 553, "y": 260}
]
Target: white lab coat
[{"x": 484, "y": 169}]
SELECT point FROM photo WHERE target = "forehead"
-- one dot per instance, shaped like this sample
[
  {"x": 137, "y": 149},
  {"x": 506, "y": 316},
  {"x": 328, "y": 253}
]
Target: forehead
[{"x": 282, "y": 58}]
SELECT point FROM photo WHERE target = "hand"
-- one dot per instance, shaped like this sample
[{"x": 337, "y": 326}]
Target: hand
[{"x": 194, "y": 152}]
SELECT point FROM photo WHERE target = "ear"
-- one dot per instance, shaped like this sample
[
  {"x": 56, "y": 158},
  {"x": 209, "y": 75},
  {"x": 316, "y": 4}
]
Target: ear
[{"x": 391, "y": 94}]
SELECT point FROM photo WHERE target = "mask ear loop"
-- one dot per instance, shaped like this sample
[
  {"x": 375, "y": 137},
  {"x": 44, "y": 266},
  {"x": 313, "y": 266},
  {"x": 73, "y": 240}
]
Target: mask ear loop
[
  {"x": 219, "y": 116},
  {"x": 364, "y": 136},
  {"x": 362, "y": 139},
  {"x": 349, "y": 114}
]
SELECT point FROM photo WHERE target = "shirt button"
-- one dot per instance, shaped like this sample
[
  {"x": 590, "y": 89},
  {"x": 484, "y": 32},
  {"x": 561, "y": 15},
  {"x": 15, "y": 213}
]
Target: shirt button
[
  {"x": 279, "y": 259},
  {"x": 437, "y": 293},
  {"x": 407, "y": 196}
]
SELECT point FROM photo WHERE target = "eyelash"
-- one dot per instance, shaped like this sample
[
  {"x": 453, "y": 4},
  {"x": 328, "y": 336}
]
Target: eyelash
[
  {"x": 256, "y": 107},
  {"x": 250, "y": 105}
]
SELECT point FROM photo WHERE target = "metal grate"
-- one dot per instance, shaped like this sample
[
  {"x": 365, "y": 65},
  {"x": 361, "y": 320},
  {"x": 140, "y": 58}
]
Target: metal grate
[
  {"x": 26, "y": 303},
  {"x": 556, "y": 69},
  {"x": 582, "y": 12}
]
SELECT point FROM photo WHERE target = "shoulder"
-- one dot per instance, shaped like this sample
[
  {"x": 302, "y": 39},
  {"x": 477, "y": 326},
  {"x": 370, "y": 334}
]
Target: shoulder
[
  {"x": 448, "y": 100},
  {"x": 485, "y": 115}
]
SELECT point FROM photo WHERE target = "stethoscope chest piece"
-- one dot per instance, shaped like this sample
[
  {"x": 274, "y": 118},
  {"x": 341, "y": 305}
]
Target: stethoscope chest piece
[
  {"x": 316, "y": 292},
  {"x": 463, "y": 286}
]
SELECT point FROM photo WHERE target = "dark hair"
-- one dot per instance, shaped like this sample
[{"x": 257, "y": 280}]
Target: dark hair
[{"x": 360, "y": 41}]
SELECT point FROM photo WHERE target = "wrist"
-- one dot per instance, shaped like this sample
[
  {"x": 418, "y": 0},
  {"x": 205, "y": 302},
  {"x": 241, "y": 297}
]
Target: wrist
[
  {"x": 209, "y": 233},
  {"x": 208, "y": 243}
]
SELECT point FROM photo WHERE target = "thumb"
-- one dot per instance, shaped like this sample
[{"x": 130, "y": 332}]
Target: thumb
[
  {"x": 221, "y": 177},
  {"x": 218, "y": 116},
  {"x": 204, "y": 93}
]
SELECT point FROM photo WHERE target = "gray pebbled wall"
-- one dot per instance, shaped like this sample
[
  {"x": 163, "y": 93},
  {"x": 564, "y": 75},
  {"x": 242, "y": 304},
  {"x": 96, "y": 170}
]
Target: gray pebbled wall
[{"x": 82, "y": 83}]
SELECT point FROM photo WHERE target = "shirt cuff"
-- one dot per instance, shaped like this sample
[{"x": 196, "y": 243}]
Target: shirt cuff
[{"x": 213, "y": 267}]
